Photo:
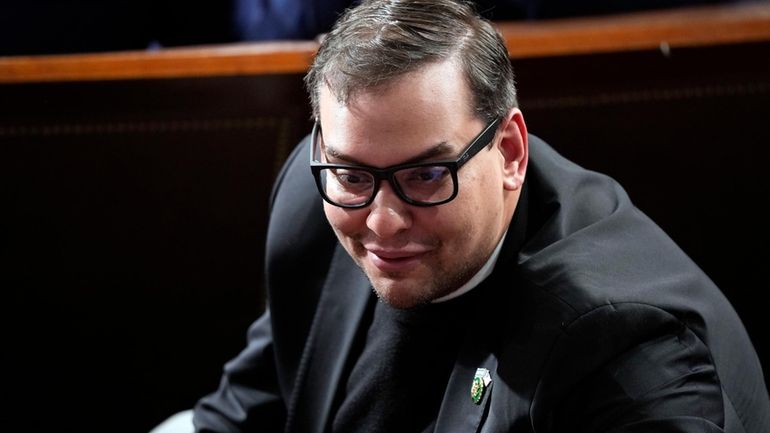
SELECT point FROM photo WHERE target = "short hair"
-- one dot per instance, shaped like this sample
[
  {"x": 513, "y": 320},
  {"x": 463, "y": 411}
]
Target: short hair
[{"x": 378, "y": 41}]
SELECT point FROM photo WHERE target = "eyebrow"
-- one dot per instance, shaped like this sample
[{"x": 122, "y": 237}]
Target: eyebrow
[{"x": 440, "y": 149}]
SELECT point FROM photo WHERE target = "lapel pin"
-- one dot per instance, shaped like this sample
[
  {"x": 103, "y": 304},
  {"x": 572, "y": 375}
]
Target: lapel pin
[{"x": 481, "y": 381}]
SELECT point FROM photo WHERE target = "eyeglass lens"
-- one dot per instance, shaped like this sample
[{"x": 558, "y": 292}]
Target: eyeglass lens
[{"x": 423, "y": 184}]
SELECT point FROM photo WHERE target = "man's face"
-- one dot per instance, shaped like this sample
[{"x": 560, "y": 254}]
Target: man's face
[{"x": 412, "y": 254}]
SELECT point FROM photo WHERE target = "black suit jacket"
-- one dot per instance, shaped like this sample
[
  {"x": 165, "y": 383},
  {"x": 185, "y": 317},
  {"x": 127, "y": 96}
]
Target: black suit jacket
[{"x": 594, "y": 321}]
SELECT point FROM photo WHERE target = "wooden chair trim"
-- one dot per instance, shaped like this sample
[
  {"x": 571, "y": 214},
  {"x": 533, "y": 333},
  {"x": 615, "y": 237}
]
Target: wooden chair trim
[
  {"x": 665, "y": 29},
  {"x": 220, "y": 60}
]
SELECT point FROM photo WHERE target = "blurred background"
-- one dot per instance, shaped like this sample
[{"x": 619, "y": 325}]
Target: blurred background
[{"x": 69, "y": 26}]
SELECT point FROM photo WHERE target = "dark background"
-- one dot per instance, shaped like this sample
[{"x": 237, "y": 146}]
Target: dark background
[
  {"x": 76, "y": 26},
  {"x": 133, "y": 212}
]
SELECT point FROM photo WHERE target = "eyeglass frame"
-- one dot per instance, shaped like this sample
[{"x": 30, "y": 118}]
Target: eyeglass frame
[{"x": 484, "y": 138}]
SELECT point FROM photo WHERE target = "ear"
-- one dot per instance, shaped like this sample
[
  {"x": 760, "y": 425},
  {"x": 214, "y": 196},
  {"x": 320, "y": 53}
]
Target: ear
[{"x": 514, "y": 149}]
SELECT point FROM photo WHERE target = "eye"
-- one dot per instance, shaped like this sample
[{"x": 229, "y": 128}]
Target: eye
[
  {"x": 351, "y": 180},
  {"x": 428, "y": 174},
  {"x": 350, "y": 177}
]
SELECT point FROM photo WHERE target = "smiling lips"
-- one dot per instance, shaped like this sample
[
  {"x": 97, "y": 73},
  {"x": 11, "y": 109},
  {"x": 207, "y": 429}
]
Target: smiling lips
[{"x": 395, "y": 260}]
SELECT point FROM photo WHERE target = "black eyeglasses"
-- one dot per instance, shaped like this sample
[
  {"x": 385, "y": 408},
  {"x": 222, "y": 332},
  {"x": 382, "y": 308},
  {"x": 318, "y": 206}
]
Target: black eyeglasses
[{"x": 420, "y": 184}]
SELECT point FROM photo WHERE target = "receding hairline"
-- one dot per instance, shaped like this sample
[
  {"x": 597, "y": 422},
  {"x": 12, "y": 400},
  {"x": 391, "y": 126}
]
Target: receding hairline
[{"x": 348, "y": 97}]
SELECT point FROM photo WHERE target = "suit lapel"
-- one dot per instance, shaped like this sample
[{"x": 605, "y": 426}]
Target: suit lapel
[
  {"x": 340, "y": 308},
  {"x": 459, "y": 413}
]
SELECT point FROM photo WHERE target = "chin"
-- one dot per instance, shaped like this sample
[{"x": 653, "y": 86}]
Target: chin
[
  {"x": 404, "y": 296},
  {"x": 400, "y": 302}
]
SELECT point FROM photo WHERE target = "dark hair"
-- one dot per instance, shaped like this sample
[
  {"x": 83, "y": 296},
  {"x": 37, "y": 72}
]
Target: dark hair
[{"x": 380, "y": 40}]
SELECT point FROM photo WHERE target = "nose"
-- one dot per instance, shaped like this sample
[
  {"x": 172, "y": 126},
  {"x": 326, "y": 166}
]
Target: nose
[{"x": 388, "y": 214}]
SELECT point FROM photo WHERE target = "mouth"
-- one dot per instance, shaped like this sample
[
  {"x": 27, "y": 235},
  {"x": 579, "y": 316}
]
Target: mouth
[{"x": 395, "y": 261}]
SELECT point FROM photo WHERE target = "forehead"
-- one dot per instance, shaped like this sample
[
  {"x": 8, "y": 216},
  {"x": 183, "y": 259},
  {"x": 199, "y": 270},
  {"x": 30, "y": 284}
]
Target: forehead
[{"x": 393, "y": 123}]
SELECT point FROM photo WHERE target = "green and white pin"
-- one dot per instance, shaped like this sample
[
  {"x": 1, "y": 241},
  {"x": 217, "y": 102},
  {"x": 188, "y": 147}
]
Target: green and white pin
[{"x": 481, "y": 381}]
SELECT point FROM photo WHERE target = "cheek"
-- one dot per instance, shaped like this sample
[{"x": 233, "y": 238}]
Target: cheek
[
  {"x": 477, "y": 207},
  {"x": 483, "y": 187},
  {"x": 450, "y": 223},
  {"x": 343, "y": 221}
]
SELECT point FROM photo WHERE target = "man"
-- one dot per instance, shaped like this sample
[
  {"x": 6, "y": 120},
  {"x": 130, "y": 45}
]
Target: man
[{"x": 512, "y": 290}]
